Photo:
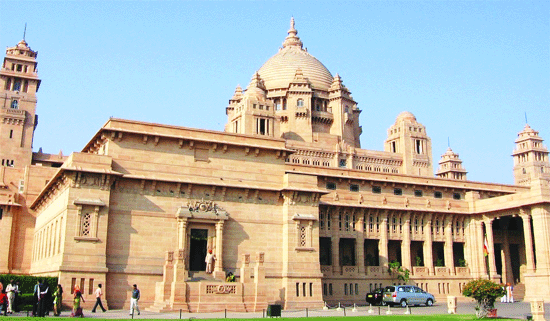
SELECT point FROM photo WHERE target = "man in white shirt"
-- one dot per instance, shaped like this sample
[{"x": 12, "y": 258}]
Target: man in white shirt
[{"x": 98, "y": 294}]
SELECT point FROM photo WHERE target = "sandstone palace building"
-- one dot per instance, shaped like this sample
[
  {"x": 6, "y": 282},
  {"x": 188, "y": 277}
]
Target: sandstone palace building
[{"x": 284, "y": 197}]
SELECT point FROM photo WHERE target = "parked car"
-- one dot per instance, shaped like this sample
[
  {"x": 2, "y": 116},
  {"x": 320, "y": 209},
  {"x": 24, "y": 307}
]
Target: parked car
[
  {"x": 375, "y": 297},
  {"x": 407, "y": 295}
]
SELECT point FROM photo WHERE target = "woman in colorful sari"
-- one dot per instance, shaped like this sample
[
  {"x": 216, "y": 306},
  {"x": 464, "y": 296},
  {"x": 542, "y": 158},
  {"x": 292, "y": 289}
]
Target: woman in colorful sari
[
  {"x": 77, "y": 310},
  {"x": 57, "y": 297}
]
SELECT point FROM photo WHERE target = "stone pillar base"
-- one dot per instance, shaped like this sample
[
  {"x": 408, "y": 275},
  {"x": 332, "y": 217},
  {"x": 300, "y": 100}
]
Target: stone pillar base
[{"x": 220, "y": 275}]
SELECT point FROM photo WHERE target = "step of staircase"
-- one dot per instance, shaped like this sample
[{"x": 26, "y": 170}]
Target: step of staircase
[{"x": 197, "y": 276}]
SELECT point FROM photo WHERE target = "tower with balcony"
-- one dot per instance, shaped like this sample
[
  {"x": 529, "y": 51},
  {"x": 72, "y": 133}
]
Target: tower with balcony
[{"x": 18, "y": 86}]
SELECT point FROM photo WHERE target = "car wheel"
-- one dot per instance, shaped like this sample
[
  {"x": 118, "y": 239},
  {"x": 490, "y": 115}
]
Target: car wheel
[
  {"x": 429, "y": 302},
  {"x": 403, "y": 303}
]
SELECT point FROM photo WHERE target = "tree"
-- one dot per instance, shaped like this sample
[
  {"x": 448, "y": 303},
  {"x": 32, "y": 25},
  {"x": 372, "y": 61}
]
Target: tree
[
  {"x": 485, "y": 293},
  {"x": 395, "y": 268}
]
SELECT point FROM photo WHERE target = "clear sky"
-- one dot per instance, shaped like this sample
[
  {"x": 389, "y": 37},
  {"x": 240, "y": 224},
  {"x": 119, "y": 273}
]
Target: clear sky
[{"x": 468, "y": 70}]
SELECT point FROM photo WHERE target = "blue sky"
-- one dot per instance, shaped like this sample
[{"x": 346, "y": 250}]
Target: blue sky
[{"x": 468, "y": 70}]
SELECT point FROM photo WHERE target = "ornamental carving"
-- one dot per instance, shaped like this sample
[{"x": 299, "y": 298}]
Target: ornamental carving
[{"x": 203, "y": 206}]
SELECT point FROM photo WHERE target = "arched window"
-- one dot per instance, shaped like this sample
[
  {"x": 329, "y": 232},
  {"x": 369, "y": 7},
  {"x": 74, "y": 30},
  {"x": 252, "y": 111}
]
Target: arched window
[
  {"x": 300, "y": 103},
  {"x": 14, "y": 104}
]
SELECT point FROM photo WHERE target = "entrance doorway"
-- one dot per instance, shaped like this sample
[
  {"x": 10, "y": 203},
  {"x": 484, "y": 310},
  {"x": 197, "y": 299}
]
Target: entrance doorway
[{"x": 197, "y": 249}]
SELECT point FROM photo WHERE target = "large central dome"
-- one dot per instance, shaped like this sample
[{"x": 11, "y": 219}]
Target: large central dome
[{"x": 280, "y": 69}]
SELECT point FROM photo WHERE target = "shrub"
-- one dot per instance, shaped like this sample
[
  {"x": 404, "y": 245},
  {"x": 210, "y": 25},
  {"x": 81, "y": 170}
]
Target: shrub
[
  {"x": 485, "y": 293},
  {"x": 395, "y": 269},
  {"x": 26, "y": 287}
]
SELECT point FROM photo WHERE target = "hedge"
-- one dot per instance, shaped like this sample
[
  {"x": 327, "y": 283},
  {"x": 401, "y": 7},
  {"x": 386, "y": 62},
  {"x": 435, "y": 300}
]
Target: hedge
[{"x": 26, "y": 288}]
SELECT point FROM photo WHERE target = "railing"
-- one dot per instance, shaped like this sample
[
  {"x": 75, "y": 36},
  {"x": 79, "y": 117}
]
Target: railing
[
  {"x": 462, "y": 270},
  {"x": 439, "y": 270},
  {"x": 420, "y": 270}
]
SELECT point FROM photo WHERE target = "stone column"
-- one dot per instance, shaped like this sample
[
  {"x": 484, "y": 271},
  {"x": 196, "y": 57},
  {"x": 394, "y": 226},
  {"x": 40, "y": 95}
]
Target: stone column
[
  {"x": 218, "y": 266},
  {"x": 406, "y": 243},
  {"x": 449, "y": 257},
  {"x": 491, "y": 248},
  {"x": 335, "y": 243},
  {"x": 507, "y": 275},
  {"x": 360, "y": 248},
  {"x": 528, "y": 241},
  {"x": 383, "y": 242},
  {"x": 540, "y": 214},
  {"x": 480, "y": 240},
  {"x": 428, "y": 245}
]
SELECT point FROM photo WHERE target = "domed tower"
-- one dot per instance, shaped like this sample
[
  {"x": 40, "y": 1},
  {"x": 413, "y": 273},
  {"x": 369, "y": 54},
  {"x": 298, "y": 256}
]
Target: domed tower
[
  {"x": 450, "y": 166},
  {"x": 251, "y": 113},
  {"x": 408, "y": 138},
  {"x": 18, "y": 86},
  {"x": 310, "y": 104},
  {"x": 530, "y": 157}
]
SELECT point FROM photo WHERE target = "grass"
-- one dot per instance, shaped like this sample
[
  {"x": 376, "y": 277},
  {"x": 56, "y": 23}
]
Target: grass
[{"x": 435, "y": 317}]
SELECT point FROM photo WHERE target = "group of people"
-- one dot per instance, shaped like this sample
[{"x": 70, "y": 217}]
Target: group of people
[
  {"x": 509, "y": 297},
  {"x": 9, "y": 297},
  {"x": 44, "y": 299}
]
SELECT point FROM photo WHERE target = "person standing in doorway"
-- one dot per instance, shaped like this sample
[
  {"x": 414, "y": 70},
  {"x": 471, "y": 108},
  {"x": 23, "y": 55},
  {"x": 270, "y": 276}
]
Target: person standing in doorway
[
  {"x": 210, "y": 259},
  {"x": 134, "y": 300},
  {"x": 98, "y": 294}
]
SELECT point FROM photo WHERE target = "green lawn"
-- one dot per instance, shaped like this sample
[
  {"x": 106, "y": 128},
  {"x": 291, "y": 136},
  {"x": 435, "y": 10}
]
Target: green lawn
[{"x": 445, "y": 317}]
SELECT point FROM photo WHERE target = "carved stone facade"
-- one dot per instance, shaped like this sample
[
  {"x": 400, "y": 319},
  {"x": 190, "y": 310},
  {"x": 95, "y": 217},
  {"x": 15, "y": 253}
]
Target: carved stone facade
[{"x": 285, "y": 199}]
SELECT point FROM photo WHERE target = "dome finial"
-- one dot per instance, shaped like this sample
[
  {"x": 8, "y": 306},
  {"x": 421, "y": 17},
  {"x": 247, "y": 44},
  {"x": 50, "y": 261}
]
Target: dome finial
[{"x": 292, "y": 39}]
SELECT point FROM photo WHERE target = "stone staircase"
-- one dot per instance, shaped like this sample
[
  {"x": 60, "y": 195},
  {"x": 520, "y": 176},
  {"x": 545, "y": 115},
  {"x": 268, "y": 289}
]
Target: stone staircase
[{"x": 194, "y": 276}]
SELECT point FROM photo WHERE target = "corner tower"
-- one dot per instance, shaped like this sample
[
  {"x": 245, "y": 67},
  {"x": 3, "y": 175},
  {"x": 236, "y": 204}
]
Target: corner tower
[
  {"x": 530, "y": 157},
  {"x": 450, "y": 166},
  {"x": 408, "y": 137},
  {"x": 18, "y": 86}
]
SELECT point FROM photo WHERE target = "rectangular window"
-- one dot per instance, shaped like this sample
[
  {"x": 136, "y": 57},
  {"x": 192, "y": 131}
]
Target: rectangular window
[
  {"x": 393, "y": 147},
  {"x": 356, "y": 289},
  {"x": 304, "y": 289},
  {"x": 354, "y": 188},
  {"x": 1, "y": 212},
  {"x": 73, "y": 283},
  {"x": 325, "y": 289},
  {"x": 297, "y": 289},
  {"x": 456, "y": 196},
  {"x": 376, "y": 189},
  {"x": 330, "y": 289},
  {"x": 438, "y": 194},
  {"x": 345, "y": 289},
  {"x": 418, "y": 193},
  {"x": 82, "y": 280},
  {"x": 397, "y": 191},
  {"x": 91, "y": 286},
  {"x": 11, "y": 133},
  {"x": 331, "y": 185},
  {"x": 311, "y": 289}
]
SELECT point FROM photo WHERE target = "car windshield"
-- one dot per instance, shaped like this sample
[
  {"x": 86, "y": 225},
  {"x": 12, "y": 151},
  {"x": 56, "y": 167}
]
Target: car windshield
[{"x": 389, "y": 289}]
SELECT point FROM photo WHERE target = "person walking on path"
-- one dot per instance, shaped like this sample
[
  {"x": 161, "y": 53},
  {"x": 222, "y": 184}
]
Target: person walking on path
[
  {"x": 57, "y": 297},
  {"x": 98, "y": 294},
  {"x": 134, "y": 300},
  {"x": 11, "y": 290},
  {"x": 77, "y": 310}
]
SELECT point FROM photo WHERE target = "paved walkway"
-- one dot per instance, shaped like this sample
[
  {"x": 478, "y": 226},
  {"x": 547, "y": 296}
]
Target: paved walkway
[{"x": 518, "y": 310}]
